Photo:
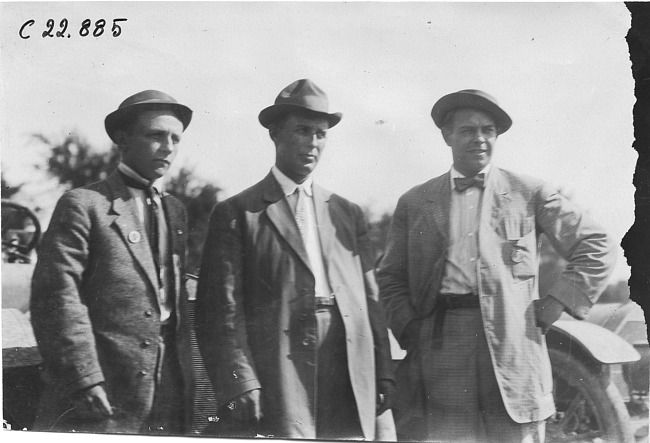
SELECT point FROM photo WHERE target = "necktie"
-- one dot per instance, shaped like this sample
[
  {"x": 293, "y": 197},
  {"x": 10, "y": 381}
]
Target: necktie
[
  {"x": 304, "y": 220},
  {"x": 463, "y": 183},
  {"x": 153, "y": 231}
]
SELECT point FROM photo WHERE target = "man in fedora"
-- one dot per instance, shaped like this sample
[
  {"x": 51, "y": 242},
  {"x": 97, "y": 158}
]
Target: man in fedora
[
  {"x": 289, "y": 323},
  {"x": 108, "y": 302},
  {"x": 459, "y": 282}
]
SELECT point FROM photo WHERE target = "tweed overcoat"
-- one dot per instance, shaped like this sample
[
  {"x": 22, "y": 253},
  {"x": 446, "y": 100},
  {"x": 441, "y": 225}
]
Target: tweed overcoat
[
  {"x": 515, "y": 210},
  {"x": 256, "y": 291},
  {"x": 94, "y": 308}
]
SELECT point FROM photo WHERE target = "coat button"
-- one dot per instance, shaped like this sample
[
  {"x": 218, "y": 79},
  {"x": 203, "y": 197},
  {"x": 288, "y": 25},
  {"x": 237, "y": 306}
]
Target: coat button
[
  {"x": 305, "y": 342},
  {"x": 303, "y": 317},
  {"x": 142, "y": 372},
  {"x": 179, "y": 232},
  {"x": 147, "y": 342},
  {"x": 148, "y": 313}
]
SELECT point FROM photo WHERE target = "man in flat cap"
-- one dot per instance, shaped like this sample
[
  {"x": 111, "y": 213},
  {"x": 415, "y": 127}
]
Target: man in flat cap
[
  {"x": 459, "y": 282},
  {"x": 108, "y": 303},
  {"x": 289, "y": 323}
]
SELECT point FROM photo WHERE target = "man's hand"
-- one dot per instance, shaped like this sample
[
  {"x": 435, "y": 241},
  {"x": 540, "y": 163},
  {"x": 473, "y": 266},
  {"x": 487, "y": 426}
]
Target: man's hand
[
  {"x": 247, "y": 407},
  {"x": 547, "y": 311},
  {"x": 385, "y": 391},
  {"x": 92, "y": 403}
]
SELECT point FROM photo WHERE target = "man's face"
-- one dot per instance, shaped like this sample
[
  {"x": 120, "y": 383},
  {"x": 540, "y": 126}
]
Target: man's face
[
  {"x": 152, "y": 144},
  {"x": 299, "y": 143},
  {"x": 472, "y": 135}
]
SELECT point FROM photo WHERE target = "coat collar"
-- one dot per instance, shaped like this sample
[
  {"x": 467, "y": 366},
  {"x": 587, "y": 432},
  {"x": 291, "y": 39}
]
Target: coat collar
[{"x": 282, "y": 217}]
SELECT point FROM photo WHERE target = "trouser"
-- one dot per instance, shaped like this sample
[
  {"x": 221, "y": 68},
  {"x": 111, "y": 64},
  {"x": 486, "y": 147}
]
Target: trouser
[
  {"x": 465, "y": 403},
  {"x": 337, "y": 416},
  {"x": 167, "y": 414}
]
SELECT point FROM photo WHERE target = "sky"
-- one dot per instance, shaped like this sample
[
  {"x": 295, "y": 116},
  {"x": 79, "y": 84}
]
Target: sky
[{"x": 561, "y": 70}]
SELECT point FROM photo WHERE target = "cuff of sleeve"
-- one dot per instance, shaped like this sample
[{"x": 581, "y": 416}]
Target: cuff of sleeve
[
  {"x": 575, "y": 302},
  {"x": 240, "y": 389},
  {"x": 385, "y": 375},
  {"x": 86, "y": 382}
]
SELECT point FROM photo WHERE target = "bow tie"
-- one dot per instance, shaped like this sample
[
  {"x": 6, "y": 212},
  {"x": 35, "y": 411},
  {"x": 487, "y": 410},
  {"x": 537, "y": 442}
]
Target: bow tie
[{"x": 463, "y": 183}]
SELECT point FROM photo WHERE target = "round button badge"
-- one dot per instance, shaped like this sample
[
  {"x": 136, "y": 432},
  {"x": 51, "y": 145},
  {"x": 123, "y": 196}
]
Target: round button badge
[
  {"x": 134, "y": 236},
  {"x": 517, "y": 256}
]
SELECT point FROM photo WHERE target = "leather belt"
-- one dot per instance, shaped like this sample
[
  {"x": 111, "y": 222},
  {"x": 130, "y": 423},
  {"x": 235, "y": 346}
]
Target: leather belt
[{"x": 446, "y": 302}]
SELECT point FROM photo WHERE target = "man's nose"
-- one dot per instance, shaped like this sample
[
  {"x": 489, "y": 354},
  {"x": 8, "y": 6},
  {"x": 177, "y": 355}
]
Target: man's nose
[
  {"x": 481, "y": 137},
  {"x": 315, "y": 140},
  {"x": 168, "y": 145}
]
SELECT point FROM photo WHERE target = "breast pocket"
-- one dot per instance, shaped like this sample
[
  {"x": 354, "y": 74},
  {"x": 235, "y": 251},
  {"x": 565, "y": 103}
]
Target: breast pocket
[{"x": 519, "y": 248}]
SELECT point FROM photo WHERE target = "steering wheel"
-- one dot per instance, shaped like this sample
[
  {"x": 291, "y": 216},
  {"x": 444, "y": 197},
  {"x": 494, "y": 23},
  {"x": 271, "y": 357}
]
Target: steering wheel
[{"x": 17, "y": 250}]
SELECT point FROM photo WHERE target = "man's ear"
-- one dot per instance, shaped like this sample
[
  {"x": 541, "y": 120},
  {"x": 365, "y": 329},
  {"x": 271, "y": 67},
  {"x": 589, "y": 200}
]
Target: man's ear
[
  {"x": 120, "y": 138},
  {"x": 445, "y": 134}
]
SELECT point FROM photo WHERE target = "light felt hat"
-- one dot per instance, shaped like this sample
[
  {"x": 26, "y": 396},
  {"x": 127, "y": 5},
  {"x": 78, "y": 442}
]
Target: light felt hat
[
  {"x": 116, "y": 119},
  {"x": 471, "y": 98},
  {"x": 299, "y": 95}
]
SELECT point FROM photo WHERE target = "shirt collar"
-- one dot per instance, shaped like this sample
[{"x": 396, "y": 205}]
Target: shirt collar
[
  {"x": 128, "y": 171},
  {"x": 454, "y": 173},
  {"x": 289, "y": 186}
]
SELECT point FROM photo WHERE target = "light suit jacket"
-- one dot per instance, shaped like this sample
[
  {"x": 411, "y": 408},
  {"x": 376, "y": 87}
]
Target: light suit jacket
[
  {"x": 256, "y": 290},
  {"x": 515, "y": 210},
  {"x": 94, "y": 307}
]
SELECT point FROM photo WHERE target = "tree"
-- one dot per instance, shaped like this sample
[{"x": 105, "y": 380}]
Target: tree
[
  {"x": 75, "y": 163},
  {"x": 199, "y": 197}
]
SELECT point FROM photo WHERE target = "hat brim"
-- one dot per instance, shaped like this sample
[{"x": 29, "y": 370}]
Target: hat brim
[
  {"x": 275, "y": 112},
  {"x": 116, "y": 119},
  {"x": 458, "y": 100}
]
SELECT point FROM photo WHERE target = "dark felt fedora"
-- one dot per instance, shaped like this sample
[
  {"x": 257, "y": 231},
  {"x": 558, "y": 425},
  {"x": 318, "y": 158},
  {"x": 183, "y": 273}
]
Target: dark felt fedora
[
  {"x": 116, "y": 119},
  {"x": 471, "y": 98},
  {"x": 299, "y": 95}
]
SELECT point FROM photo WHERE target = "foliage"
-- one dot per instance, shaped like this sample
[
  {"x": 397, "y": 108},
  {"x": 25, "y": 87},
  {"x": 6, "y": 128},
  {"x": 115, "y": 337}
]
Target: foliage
[
  {"x": 75, "y": 163},
  {"x": 199, "y": 197}
]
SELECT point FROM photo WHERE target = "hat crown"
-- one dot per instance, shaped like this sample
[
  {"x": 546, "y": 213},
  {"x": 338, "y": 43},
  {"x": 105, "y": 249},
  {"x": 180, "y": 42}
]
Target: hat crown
[
  {"x": 306, "y": 94},
  {"x": 302, "y": 94},
  {"x": 148, "y": 96},
  {"x": 479, "y": 93}
]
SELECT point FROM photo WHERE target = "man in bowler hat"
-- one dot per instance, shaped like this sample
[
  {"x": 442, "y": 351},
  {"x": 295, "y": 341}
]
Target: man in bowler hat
[
  {"x": 108, "y": 303},
  {"x": 289, "y": 323},
  {"x": 460, "y": 284}
]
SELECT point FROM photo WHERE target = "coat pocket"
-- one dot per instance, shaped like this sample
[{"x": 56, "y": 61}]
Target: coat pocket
[{"x": 519, "y": 254}]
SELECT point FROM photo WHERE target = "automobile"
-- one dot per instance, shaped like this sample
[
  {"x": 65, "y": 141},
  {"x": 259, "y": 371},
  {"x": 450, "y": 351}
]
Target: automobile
[{"x": 583, "y": 355}]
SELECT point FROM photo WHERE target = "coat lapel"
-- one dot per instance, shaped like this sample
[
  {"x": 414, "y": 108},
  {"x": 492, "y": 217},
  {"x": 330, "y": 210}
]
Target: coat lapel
[
  {"x": 495, "y": 199},
  {"x": 280, "y": 214},
  {"x": 130, "y": 228},
  {"x": 438, "y": 194}
]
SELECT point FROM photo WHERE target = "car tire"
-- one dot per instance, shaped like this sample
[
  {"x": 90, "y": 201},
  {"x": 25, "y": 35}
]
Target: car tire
[{"x": 588, "y": 405}]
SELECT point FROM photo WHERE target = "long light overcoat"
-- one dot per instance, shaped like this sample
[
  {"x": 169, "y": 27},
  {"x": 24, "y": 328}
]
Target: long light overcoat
[
  {"x": 515, "y": 210},
  {"x": 95, "y": 311},
  {"x": 256, "y": 291}
]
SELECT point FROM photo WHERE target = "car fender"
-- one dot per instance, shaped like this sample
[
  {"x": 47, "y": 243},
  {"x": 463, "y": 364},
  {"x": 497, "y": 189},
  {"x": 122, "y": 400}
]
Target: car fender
[{"x": 591, "y": 340}]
